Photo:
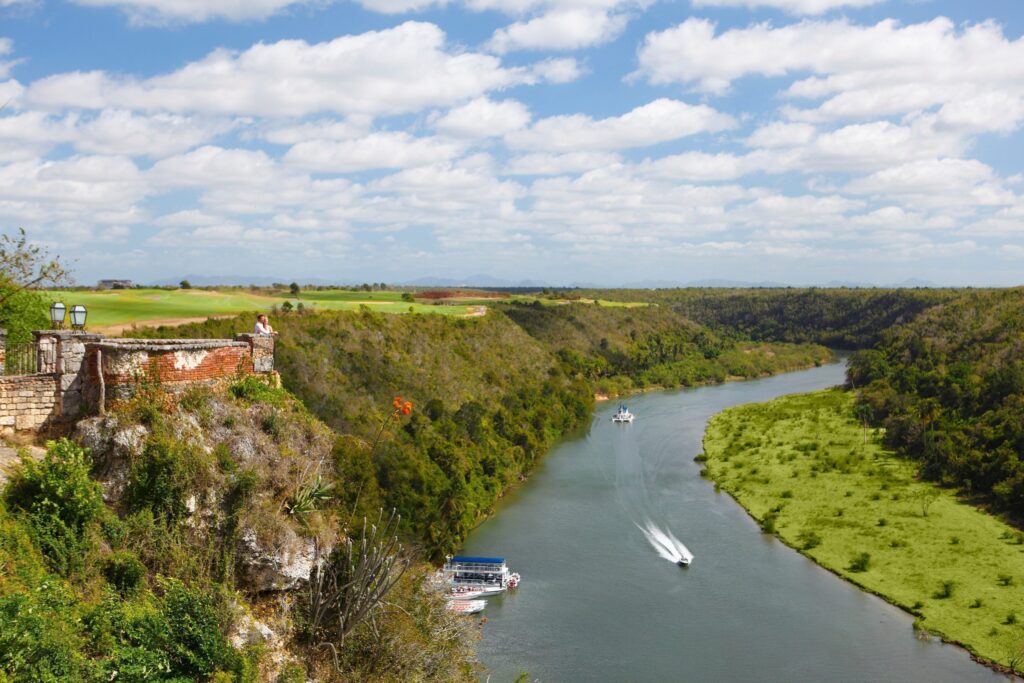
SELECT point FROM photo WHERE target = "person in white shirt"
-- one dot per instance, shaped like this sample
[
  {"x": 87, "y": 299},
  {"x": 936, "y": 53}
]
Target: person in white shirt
[{"x": 262, "y": 325}]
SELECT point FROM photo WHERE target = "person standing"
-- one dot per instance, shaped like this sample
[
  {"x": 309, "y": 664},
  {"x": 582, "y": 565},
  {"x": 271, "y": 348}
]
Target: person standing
[{"x": 262, "y": 326}]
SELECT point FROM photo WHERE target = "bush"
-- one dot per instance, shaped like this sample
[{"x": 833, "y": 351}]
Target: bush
[
  {"x": 35, "y": 646},
  {"x": 860, "y": 563},
  {"x": 163, "y": 478},
  {"x": 1004, "y": 580},
  {"x": 196, "y": 646},
  {"x": 808, "y": 540},
  {"x": 945, "y": 591},
  {"x": 255, "y": 390},
  {"x": 1010, "y": 619},
  {"x": 60, "y": 501},
  {"x": 124, "y": 571}
]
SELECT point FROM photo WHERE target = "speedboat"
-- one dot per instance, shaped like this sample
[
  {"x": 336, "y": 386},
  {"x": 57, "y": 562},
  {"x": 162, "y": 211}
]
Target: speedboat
[
  {"x": 466, "y": 606},
  {"x": 467, "y": 593},
  {"x": 481, "y": 577},
  {"x": 622, "y": 414}
]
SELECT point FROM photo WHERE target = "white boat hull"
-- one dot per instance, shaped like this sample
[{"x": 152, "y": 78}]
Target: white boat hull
[{"x": 466, "y": 606}]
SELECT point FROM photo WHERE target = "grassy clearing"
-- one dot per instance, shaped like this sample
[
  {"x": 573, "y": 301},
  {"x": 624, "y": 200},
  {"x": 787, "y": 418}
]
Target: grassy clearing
[
  {"x": 802, "y": 467},
  {"x": 126, "y": 306}
]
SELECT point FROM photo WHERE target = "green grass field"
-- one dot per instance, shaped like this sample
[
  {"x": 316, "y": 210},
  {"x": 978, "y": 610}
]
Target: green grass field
[
  {"x": 801, "y": 467},
  {"x": 123, "y": 307}
]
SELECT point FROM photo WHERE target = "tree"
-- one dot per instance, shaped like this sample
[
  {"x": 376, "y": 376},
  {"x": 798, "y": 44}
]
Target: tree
[
  {"x": 24, "y": 268},
  {"x": 185, "y": 284},
  {"x": 295, "y": 289}
]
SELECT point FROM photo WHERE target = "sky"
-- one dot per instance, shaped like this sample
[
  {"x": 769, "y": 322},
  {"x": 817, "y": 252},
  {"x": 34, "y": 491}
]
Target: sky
[{"x": 604, "y": 142}]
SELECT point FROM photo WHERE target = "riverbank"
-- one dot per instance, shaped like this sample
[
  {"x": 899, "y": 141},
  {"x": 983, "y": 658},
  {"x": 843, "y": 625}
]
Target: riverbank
[{"x": 810, "y": 474}]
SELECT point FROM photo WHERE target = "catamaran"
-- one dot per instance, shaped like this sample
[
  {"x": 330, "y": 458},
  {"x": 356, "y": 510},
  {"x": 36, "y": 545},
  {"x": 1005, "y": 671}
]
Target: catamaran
[
  {"x": 623, "y": 414},
  {"x": 483, "y": 576}
]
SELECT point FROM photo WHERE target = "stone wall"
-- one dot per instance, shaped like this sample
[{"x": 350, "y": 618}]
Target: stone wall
[
  {"x": 28, "y": 403},
  {"x": 80, "y": 373}
]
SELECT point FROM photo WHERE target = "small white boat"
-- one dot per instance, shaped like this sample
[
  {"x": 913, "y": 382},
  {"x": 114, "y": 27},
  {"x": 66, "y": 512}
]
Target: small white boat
[
  {"x": 623, "y": 414},
  {"x": 466, "y": 606}
]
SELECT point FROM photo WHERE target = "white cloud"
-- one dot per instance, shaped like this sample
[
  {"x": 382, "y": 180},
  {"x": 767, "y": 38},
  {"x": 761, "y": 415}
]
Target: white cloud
[
  {"x": 963, "y": 183},
  {"x": 393, "y": 71},
  {"x": 560, "y": 29},
  {"x": 975, "y": 75},
  {"x": 484, "y": 118},
  {"x": 657, "y": 121},
  {"x": 173, "y": 11},
  {"x": 211, "y": 166},
  {"x": 791, "y": 6},
  {"x": 698, "y": 166},
  {"x": 116, "y": 131},
  {"x": 321, "y": 129},
  {"x": 560, "y": 70},
  {"x": 559, "y": 164},
  {"x": 377, "y": 150}
]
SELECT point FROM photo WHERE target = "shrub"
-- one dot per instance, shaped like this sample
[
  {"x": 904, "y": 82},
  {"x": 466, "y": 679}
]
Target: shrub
[
  {"x": 808, "y": 540},
  {"x": 954, "y": 540},
  {"x": 786, "y": 494},
  {"x": 255, "y": 390},
  {"x": 860, "y": 563},
  {"x": 162, "y": 479},
  {"x": 1010, "y": 619},
  {"x": 271, "y": 425},
  {"x": 976, "y": 604},
  {"x": 34, "y": 644},
  {"x": 60, "y": 501},
  {"x": 945, "y": 591},
  {"x": 882, "y": 522},
  {"x": 1004, "y": 580},
  {"x": 196, "y": 399},
  {"x": 124, "y": 571},
  {"x": 196, "y": 646}
]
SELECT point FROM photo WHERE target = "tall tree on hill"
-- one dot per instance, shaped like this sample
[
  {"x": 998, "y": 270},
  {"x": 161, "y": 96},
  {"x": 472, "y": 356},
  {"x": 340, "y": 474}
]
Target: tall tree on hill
[{"x": 24, "y": 269}]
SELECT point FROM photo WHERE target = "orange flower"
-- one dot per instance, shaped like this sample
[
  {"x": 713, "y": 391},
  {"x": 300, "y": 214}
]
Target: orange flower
[
  {"x": 397, "y": 403},
  {"x": 407, "y": 408}
]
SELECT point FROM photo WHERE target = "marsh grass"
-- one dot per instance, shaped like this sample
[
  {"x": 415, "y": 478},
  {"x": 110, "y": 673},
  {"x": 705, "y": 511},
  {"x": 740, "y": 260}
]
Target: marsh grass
[{"x": 946, "y": 561}]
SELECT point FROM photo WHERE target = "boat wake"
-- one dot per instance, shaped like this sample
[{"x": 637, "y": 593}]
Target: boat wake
[
  {"x": 667, "y": 545},
  {"x": 634, "y": 495}
]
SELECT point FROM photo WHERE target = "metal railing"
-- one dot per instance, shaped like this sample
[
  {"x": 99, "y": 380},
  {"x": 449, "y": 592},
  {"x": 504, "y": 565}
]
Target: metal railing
[{"x": 22, "y": 359}]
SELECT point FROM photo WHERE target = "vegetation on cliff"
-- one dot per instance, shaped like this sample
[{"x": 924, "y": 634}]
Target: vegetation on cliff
[
  {"x": 949, "y": 390},
  {"x": 492, "y": 393},
  {"x": 847, "y": 318},
  {"x": 176, "y": 547},
  {"x": 810, "y": 472}
]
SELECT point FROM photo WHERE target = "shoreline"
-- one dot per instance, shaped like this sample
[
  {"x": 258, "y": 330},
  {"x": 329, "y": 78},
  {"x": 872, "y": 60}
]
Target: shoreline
[{"x": 919, "y": 623}]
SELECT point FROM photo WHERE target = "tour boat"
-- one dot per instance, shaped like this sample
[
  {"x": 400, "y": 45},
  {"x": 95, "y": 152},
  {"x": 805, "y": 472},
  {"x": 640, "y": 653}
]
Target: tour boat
[
  {"x": 485, "y": 576},
  {"x": 466, "y": 606},
  {"x": 622, "y": 415}
]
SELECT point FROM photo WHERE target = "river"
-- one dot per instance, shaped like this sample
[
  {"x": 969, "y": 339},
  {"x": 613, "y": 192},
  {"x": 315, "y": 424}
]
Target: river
[{"x": 598, "y": 603}]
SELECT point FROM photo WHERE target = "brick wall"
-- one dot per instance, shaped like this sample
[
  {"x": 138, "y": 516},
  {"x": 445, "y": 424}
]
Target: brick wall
[
  {"x": 28, "y": 403},
  {"x": 172, "y": 364}
]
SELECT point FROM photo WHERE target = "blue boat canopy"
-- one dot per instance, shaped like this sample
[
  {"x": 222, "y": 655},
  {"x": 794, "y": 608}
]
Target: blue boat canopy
[{"x": 479, "y": 560}]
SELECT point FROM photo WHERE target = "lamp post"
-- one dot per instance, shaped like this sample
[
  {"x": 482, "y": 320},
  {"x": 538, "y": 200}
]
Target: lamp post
[
  {"x": 57, "y": 310},
  {"x": 78, "y": 314}
]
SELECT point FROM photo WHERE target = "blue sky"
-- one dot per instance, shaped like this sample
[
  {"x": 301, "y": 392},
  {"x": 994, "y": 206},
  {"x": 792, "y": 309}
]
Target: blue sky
[{"x": 597, "y": 141}]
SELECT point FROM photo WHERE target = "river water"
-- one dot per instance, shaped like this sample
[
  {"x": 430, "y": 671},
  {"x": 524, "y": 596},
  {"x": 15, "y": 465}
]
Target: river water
[{"x": 598, "y": 603}]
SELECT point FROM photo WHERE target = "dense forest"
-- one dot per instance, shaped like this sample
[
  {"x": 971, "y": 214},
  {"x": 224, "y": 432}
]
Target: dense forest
[
  {"x": 846, "y": 318},
  {"x": 949, "y": 389},
  {"x": 490, "y": 394}
]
